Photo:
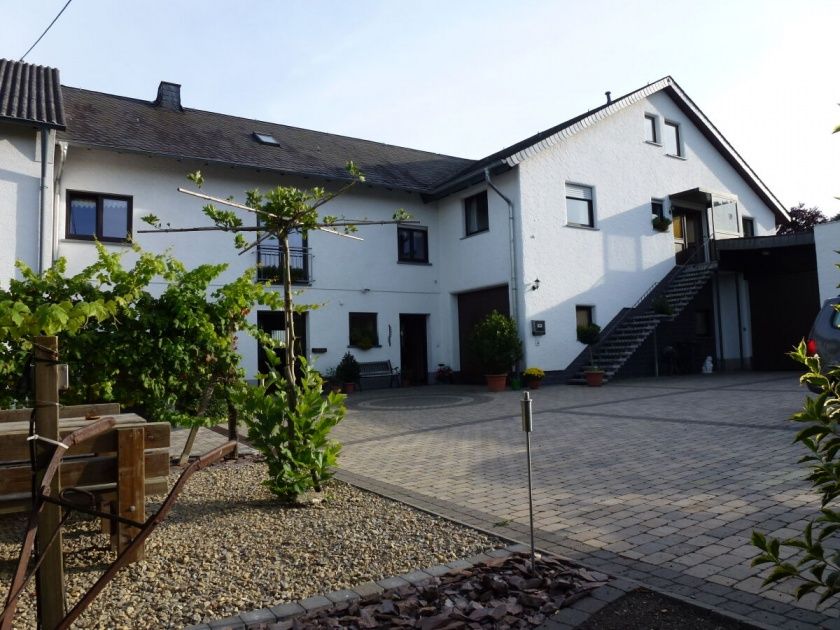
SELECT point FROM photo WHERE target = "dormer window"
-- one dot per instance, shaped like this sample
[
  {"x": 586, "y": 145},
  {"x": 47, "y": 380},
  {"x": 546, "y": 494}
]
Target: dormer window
[{"x": 265, "y": 138}]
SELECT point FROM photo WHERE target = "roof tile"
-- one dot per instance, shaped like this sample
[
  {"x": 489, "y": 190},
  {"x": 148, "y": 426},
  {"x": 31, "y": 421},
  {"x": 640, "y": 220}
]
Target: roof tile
[{"x": 30, "y": 93}]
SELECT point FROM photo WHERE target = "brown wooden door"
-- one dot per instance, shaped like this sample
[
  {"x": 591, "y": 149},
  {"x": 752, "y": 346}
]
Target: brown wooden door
[
  {"x": 688, "y": 236},
  {"x": 472, "y": 308},
  {"x": 414, "y": 363}
]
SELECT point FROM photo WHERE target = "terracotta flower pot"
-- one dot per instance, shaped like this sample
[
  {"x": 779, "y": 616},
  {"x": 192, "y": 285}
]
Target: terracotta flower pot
[
  {"x": 533, "y": 383},
  {"x": 594, "y": 378},
  {"x": 348, "y": 388},
  {"x": 496, "y": 382}
]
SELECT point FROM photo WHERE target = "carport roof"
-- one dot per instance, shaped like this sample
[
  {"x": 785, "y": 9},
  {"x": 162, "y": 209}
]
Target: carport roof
[
  {"x": 766, "y": 242},
  {"x": 783, "y": 253}
]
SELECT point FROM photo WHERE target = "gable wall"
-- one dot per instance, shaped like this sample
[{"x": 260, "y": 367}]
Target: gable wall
[{"x": 612, "y": 266}]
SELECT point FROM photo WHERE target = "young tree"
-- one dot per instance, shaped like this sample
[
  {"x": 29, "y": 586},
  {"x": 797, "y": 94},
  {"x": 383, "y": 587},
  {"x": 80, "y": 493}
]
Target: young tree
[
  {"x": 286, "y": 420},
  {"x": 802, "y": 219}
]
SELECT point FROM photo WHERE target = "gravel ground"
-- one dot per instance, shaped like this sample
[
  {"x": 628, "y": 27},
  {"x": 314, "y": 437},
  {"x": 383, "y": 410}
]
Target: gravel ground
[{"x": 227, "y": 547}]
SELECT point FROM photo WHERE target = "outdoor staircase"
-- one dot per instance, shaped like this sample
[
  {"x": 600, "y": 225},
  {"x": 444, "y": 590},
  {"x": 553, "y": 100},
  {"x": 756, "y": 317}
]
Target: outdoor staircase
[{"x": 633, "y": 326}]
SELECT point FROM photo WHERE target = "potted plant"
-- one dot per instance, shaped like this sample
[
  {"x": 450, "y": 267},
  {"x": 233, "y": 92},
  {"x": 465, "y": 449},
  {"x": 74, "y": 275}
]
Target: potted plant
[
  {"x": 331, "y": 381},
  {"x": 589, "y": 335},
  {"x": 660, "y": 224},
  {"x": 533, "y": 377},
  {"x": 347, "y": 372},
  {"x": 661, "y": 305},
  {"x": 496, "y": 344},
  {"x": 444, "y": 374}
]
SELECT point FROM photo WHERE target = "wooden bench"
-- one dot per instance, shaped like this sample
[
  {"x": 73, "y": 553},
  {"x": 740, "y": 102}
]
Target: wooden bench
[
  {"x": 120, "y": 467},
  {"x": 379, "y": 369}
]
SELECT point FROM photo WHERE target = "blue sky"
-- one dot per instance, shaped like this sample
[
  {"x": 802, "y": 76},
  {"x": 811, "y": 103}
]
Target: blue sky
[{"x": 468, "y": 77}]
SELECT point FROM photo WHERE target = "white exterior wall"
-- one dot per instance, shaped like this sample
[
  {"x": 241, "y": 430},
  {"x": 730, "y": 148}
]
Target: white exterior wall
[
  {"x": 342, "y": 268},
  {"x": 827, "y": 244},
  {"x": 611, "y": 266},
  {"x": 20, "y": 181},
  {"x": 469, "y": 263},
  {"x": 608, "y": 267}
]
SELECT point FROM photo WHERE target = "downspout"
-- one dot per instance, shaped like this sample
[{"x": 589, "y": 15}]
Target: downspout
[
  {"x": 514, "y": 290},
  {"x": 59, "y": 171},
  {"x": 43, "y": 209}
]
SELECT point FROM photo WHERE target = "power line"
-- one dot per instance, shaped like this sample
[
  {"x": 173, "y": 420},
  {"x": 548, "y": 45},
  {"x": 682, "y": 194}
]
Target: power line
[{"x": 55, "y": 19}]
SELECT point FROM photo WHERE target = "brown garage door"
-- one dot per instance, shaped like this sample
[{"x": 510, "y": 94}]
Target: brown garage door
[{"x": 472, "y": 308}]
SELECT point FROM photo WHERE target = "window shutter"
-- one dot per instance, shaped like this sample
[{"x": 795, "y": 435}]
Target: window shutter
[{"x": 579, "y": 192}]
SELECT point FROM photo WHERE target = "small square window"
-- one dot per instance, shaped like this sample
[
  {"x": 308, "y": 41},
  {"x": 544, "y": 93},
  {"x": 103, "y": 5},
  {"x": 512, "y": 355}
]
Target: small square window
[
  {"x": 363, "y": 333},
  {"x": 651, "y": 134},
  {"x": 97, "y": 216},
  {"x": 583, "y": 316},
  {"x": 475, "y": 213},
  {"x": 673, "y": 143},
  {"x": 579, "y": 210},
  {"x": 412, "y": 245},
  {"x": 657, "y": 209},
  {"x": 749, "y": 226}
]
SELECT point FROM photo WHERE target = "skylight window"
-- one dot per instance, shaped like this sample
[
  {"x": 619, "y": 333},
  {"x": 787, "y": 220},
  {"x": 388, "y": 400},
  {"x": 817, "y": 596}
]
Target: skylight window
[{"x": 265, "y": 138}]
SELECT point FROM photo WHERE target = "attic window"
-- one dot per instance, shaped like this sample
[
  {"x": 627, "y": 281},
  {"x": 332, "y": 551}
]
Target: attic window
[{"x": 265, "y": 138}]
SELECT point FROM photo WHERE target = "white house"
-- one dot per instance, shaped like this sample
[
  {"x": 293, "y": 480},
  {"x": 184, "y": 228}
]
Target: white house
[{"x": 555, "y": 230}]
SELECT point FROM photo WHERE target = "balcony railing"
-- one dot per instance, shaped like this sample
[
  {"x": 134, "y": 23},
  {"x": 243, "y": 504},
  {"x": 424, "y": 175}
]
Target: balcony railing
[{"x": 270, "y": 264}]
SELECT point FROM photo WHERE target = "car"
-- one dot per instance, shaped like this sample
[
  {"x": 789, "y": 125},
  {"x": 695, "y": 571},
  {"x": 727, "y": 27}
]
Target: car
[{"x": 824, "y": 338}]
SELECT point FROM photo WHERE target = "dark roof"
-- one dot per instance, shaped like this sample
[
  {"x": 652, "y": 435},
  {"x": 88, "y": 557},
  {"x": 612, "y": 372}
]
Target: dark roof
[
  {"x": 30, "y": 94},
  {"x": 125, "y": 124}
]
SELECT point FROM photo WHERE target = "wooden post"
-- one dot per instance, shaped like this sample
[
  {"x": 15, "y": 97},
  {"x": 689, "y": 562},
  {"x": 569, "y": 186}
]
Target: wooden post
[
  {"x": 50, "y": 580},
  {"x": 131, "y": 487}
]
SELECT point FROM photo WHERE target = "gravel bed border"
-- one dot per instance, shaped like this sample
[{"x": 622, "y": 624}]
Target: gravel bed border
[
  {"x": 280, "y": 617},
  {"x": 258, "y": 619}
]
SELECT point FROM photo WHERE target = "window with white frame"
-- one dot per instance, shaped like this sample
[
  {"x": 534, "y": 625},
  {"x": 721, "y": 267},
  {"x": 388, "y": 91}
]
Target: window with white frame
[
  {"x": 476, "y": 217},
  {"x": 651, "y": 130},
  {"x": 673, "y": 141},
  {"x": 579, "y": 205}
]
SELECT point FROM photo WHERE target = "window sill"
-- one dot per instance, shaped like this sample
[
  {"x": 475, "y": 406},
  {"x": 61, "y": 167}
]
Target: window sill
[
  {"x": 91, "y": 241},
  {"x": 582, "y": 227},
  {"x": 654, "y": 144},
  {"x": 475, "y": 234},
  {"x": 414, "y": 262},
  {"x": 676, "y": 157}
]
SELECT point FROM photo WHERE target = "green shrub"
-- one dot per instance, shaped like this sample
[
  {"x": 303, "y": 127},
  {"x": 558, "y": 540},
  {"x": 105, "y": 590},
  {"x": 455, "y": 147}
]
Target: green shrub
[
  {"x": 816, "y": 560},
  {"x": 348, "y": 370},
  {"x": 294, "y": 440},
  {"x": 495, "y": 342}
]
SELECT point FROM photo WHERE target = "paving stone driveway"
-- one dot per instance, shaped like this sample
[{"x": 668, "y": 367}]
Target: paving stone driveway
[{"x": 659, "y": 480}]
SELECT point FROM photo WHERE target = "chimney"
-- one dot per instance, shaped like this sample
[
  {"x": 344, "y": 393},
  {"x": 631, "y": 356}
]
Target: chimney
[
  {"x": 169, "y": 96},
  {"x": 609, "y": 97}
]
